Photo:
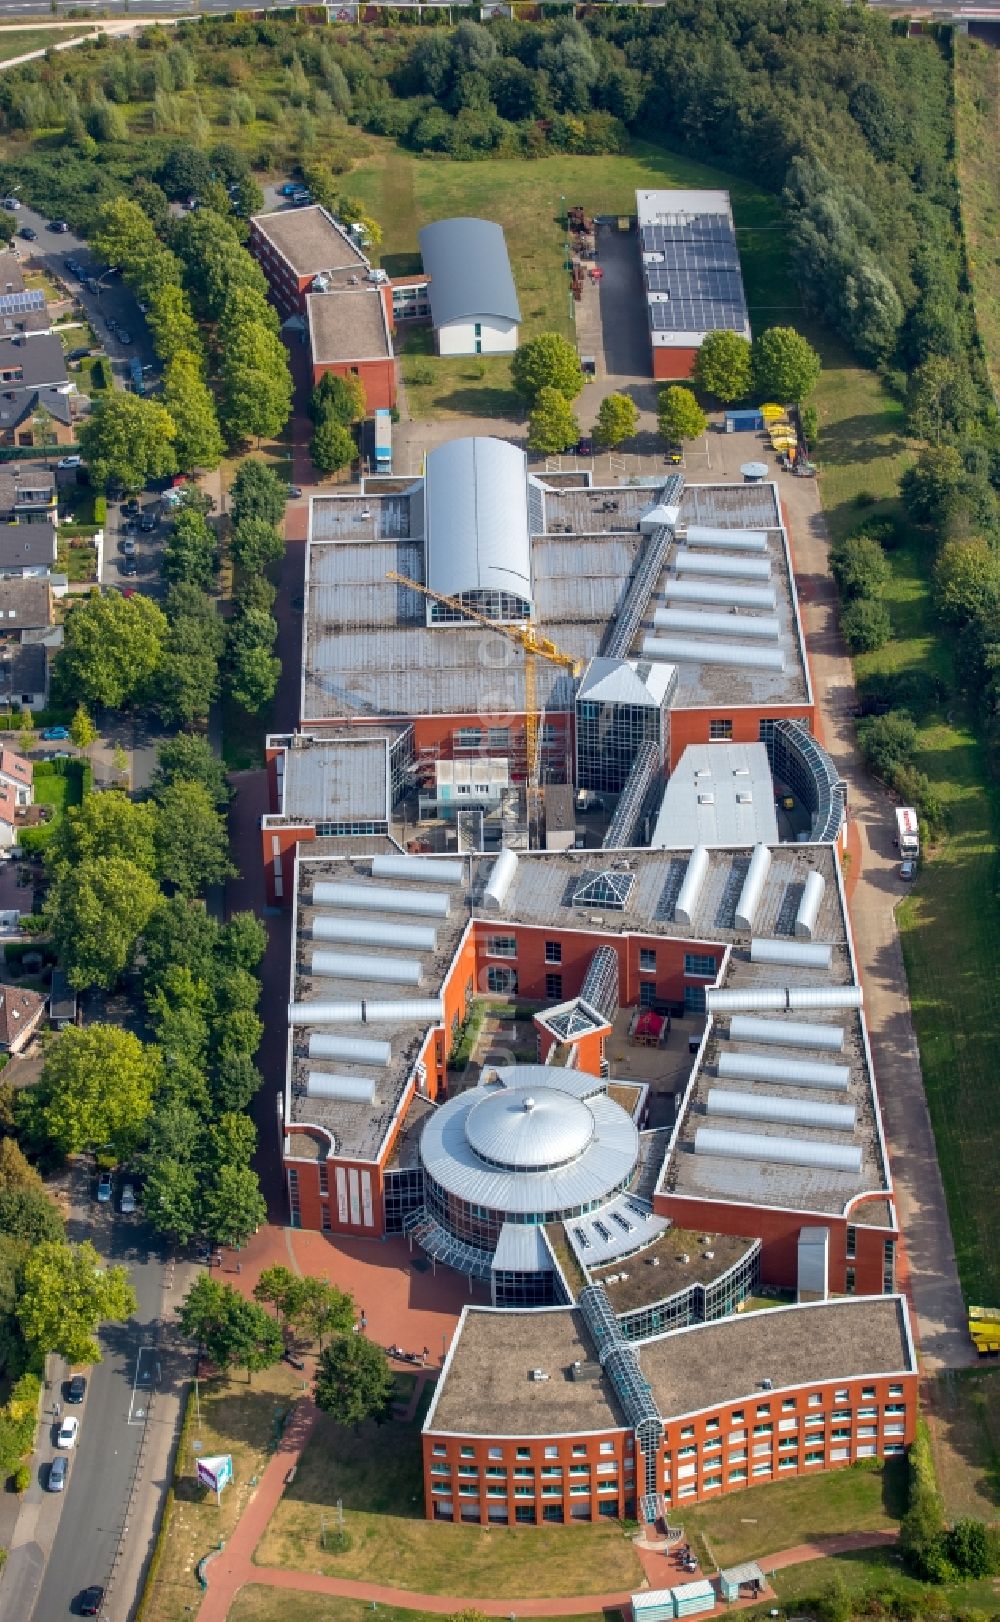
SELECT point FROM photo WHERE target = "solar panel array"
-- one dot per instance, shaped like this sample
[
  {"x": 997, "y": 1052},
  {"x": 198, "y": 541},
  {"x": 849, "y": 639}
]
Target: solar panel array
[
  {"x": 19, "y": 303},
  {"x": 699, "y": 274}
]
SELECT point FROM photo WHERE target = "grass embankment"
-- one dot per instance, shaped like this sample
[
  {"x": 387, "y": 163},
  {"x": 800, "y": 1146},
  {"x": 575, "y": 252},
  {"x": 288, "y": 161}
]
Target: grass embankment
[
  {"x": 16, "y": 42},
  {"x": 764, "y": 1520},
  {"x": 257, "y": 1604},
  {"x": 977, "y": 117},
  {"x": 377, "y": 1474},
  {"x": 404, "y": 192}
]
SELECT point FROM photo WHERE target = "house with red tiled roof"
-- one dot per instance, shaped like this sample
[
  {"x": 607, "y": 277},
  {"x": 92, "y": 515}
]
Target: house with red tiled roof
[
  {"x": 17, "y": 774},
  {"x": 8, "y": 816},
  {"x": 21, "y": 1013}
]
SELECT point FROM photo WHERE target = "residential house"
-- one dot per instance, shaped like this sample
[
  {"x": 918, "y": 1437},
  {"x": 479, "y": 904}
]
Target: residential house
[
  {"x": 33, "y": 378},
  {"x": 21, "y": 1014},
  {"x": 17, "y": 774},
  {"x": 27, "y": 550},
  {"x": 27, "y": 493}
]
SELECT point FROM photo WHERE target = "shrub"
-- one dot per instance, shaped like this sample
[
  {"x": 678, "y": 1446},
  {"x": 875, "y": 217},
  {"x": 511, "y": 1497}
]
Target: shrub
[
  {"x": 888, "y": 742},
  {"x": 859, "y": 567},
  {"x": 21, "y": 1478},
  {"x": 866, "y": 625},
  {"x": 922, "y": 1530},
  {"x": 100, "y": 511}
]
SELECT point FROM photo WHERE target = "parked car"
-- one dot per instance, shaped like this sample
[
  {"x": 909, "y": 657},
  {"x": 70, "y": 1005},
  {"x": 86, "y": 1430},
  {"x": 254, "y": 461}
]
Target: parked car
[
  {"x": 294, "y": 492},
  {"x": 674, "y": 456},
  {"x": 908, "y": 869},
  {"x": 61, "y": 226},
  {"x": 104, "y": 1188},
  {"x": 76, "y": 1388},
  {"x": 55, "y": 734},
  {"x": 149, "y": 520},
  {"x": 128, "y": 547},
  {"x": 69, "y": 1430},
  {"x": 130, "y": 508},
  {"x": 585, "y": 445},
  {"x": 29, "y": 233},
  {"x": 70, "y": 461},
  {"x": 124, "y": 336},
  {"x": 128, "y": 1200},
  {"x": 287, "y": 190},
  {"x": 57, "y": 1473},
  {"x": 12, "y": 204},
  {"x": 129, "y": 567},
  {"x": 90, "y": 1601},
  {"x": 79, "y": 354}
]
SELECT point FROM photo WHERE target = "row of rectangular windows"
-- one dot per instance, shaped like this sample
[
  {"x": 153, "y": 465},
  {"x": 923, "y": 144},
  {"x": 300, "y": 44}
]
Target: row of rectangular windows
[
  {"x": 695, "y": 963},
  {"x": 791, "y": 1404}
]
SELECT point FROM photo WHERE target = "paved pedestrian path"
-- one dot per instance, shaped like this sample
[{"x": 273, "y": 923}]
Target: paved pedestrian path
[{"x": 233, "y": 1568}]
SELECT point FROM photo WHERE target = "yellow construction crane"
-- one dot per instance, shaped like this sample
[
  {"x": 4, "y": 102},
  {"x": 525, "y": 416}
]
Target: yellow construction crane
[{"x": 535, "y": 646}]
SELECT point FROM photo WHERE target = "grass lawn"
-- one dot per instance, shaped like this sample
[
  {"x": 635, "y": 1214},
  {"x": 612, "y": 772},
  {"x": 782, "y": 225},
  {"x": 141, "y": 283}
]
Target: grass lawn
[
  {"x": 404, "y": 192},
  {"x": 963, "y": 1412},
  {"x": 875, "y": 1571},
  {"x": 236, "y": 1418},
  {"x": 257, "y": 1604},
  {"x": 862, "y": 448},
  {"x": 243, "y": 736},
  {"x": 377, "y": 1474},
  {"x": 977, "y": 111},
  {"x": 76, "y": 558},
  {"x": 59, "y": 791},
  {"x": 19, "y": 41},
  {"x": 764, "y": 1520}
]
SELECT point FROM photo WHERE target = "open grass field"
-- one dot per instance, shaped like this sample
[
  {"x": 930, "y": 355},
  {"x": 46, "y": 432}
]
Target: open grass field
[
  {"x": 764, "y": 1520},
  {"x": 873, "y": 1572},
  {"x": 404, "y": 192},
  {"x": 862, "y": 448},
  {"x": 977, "y": 112},
  {"x": 278, "y": 1605},
  {"x": 19, "y": 41},
  {"x": 962, "y": 1408},
  {"x": 377, "y": 1474}
]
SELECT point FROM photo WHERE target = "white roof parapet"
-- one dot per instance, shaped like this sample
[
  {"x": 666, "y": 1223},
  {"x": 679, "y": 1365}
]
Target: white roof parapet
[
  {"x": 780, "y": 1151},
  {"x": 753, "y": 885},
  {"x": 786, "y": 1033}
]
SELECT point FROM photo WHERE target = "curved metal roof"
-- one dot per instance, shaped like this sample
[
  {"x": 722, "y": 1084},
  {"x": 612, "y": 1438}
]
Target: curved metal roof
[
  {"x": 467, "y": 262},
  {"x": 573, "y": 1122},
  {"x": 522, "y": 1131},
  {"x": 476, "y": 507}
]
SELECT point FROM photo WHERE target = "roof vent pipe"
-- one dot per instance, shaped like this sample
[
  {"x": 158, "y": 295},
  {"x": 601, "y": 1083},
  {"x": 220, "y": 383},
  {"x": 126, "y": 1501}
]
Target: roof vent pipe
[
  {"x": 812, "y": 895},
  {"x": 753, "y": 885},
  {"x": 694, "y": 878},
  {"x": 422, "y": 869},
  {"x": 343, "y": 1089},
  {"x": 792, "y": 954},
  {"x": 777, "y": 1151},
  {"x": 825, "y": 997},
  {"x": 722, "y": 593},
  {"x": 391, "y": 971},
  {"x": 786, "y": 1033},
  {"x": 730, "y": 1066},
  {"x": 376, "y": 898},
  {"x": 677, "y": 650},
  {"x": 405, "y": 1011},
  {"x": 370, "y": 932},
  {"x": 782, "y": 1111},
  {"x": 761, "y": 998},
  {"x": 326, "y": 1013},
  {"x": 349, "y": 1049},
  {"x": 500, "y": 880},
  {"x": 709, "y": 624},
  {"x": 716, "y": 563},
  {"x": 733, "y": 540}
]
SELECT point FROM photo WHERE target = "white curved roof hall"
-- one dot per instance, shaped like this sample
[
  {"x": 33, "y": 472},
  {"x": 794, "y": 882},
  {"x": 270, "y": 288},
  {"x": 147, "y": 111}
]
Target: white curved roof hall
[{"x": 476, "y": 518}]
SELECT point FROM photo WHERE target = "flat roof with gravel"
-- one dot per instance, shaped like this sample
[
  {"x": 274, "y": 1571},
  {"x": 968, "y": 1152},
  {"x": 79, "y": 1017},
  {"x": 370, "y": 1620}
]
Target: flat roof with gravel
[
  {"x": 310, "y": 241},
  {"x": 348, "y": 324}
]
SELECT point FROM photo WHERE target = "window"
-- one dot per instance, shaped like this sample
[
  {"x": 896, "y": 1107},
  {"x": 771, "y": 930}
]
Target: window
[
  {"x": 499, "y": 737},
  {"x": 895, "y": 1391},
  {"x": 852, "y": 1242},
  {"x": 701, "y": 963},
  {"x": 469, "y": 738},
  {"x": 495, "y": 1453},
  {"x": 849, "y": 1281},
  {"x": 711, "y": 1424},
  {"x": 324, "y": 1179},
  {"x": 815, "y": 1399},
  {"x": 867, "y": 1393},
  {"x": 737, "y": 1416},
  {"x": 501, "y": 982},
  {"x": 553, "y": 951},
  {"x": 763, "y": 1409},
  {"x": 647, "y": 960},
  {"x": 551, "y": 1452},
  {"x": 762, "y": 1469},
  {"x": 554, "y": 987},
  {"x": 710, "y": 1482},
  {"x": 763, "y": 1430},
  {"x": 467, "y": 1453},
  {"x": 842, "y": 1396},
  {"x": 720, "y": 731},
  {"x": 501, "y": 945},
  {"x": 326, "y": 1225},
  {"x": 788, "y": 1406},
  {"x": 579, "y": 1452},
  {"x": 687, "y": 1432},
  {"x": 889, "y": 1267},
  {"x": 737, "y": 1475},
  {"x": 440, "y": 1451},
  {"x": 524, "y": 1453}
]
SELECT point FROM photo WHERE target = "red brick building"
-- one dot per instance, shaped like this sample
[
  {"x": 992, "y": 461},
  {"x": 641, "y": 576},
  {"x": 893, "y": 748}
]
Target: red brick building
[{"x": 691, "y": 275}]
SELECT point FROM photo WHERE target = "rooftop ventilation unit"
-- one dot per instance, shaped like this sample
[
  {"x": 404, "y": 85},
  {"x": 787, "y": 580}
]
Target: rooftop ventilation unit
[
  {"x": 777, "y": 1151},
  {"x": 400, "y": 1011},
  {"x": 369, "y": 932},
  {"x": 716, "y": 563},
  {"x": 341, "y": 1089},
  {"x": 677, "y": 651},
  {"x": 390, "y": 971},
  {"x": 690, "y": 890},
  {"x": 421, "y": 869},
  {"x": 375, "y": 898},
  {"x": 786, "y": 1033},
  {"x": 690, "y": 619},
  {"x": 753, "y": 886},
  {"x": 732, "y": 540},
  {"x": 835, "y": 1078},
  {"x": 706, "y": 799},
  {"x": 747, "y": 998},
  {"x": 349, "y": 1049},
  {"x": 792, "y": 954},
  {"x": 722, "y": 593},
  {"x": 825, "y": 997},
  {"x": 812, "y": 895},
  {"x": 783, "y": 1111},
  {"x": 500, "y": 880}
]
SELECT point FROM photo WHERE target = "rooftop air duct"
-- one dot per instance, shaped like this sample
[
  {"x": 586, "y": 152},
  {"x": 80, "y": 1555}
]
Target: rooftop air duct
[
  {"x": 777, "y": 1151},
  {"x": 753, "y": 886},
  {"x": 677, "y": 650},
  {"x": 690, "y": 890}
]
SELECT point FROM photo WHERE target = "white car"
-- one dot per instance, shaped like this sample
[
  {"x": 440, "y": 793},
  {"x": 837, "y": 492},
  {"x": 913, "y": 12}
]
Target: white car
[
  {"x": 70, "y": 461},
  {"x": 69, "y": 1430},
  {"x": 12, "y": 204},
  {"x": 128, "y": 1200}
]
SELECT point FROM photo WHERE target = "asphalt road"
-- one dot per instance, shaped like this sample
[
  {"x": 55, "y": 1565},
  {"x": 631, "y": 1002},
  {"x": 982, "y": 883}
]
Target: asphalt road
[{"x": 102, "y": 1465}]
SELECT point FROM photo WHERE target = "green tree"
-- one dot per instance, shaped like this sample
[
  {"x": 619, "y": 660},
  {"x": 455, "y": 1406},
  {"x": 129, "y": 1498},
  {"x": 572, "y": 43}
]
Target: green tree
[
  {"x": 866, "y": 625},
  {"x": 353, "y": 1381},
  {"x": 941, "y": 399},
  {"x": 342, "y": 398},
  {"x": 190, "y": 555},
  {"x": 324, "y": 1310},
  {"x": 243, "y": 942},
  {"x": 257, "y": 492},
  {"x": 617, "y": 419},
  {"x": 235, "y": 1081},
  {"x": 859, "y": 567},
  {"x": 171, "y": 1197},
  {"x": 548, "y": 361},
  {"x": 192, "y": 844},
  {"x": 82, "y": 729},
  {"x": 280, "y": 1288},
  {"x": 111, "y": 650},
  {"x": 16, "y": 1171},
  {"x": 108, "y": 824},
  {"x": 66, "y": 1292},
  {"x": 967, "y": 580},
  {"x": 187, "y": 397},
  {"x": 785, "y": 366},
  {"x": 552, "y": 427},
  {"x": 332, "y": 446},
  {"x": 179, "y": 934},
  {"x": 679, "y": 416},
  {"x": 96, "y": 912},
  {"x": 256, "y": 396},
  {"x": 128, "y": 440},
  {"x": 723, "y": 366},
  {"x": 931, "y": 488},
  {"x": 234, "y": 1332},
  {"x": 191, "y": 758},
  {"x": 253, "y": 678},
  {"x": 233, "y": 1206},
  {"x": 29, "y": 1215},
  {"x": 169, "y": 318},
  {"x": 255, "y": 543},
  {"x": 97, "y": 1087},
  {"x": 888, "y": 742},
  {"x": 971, "y": 1549}
]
